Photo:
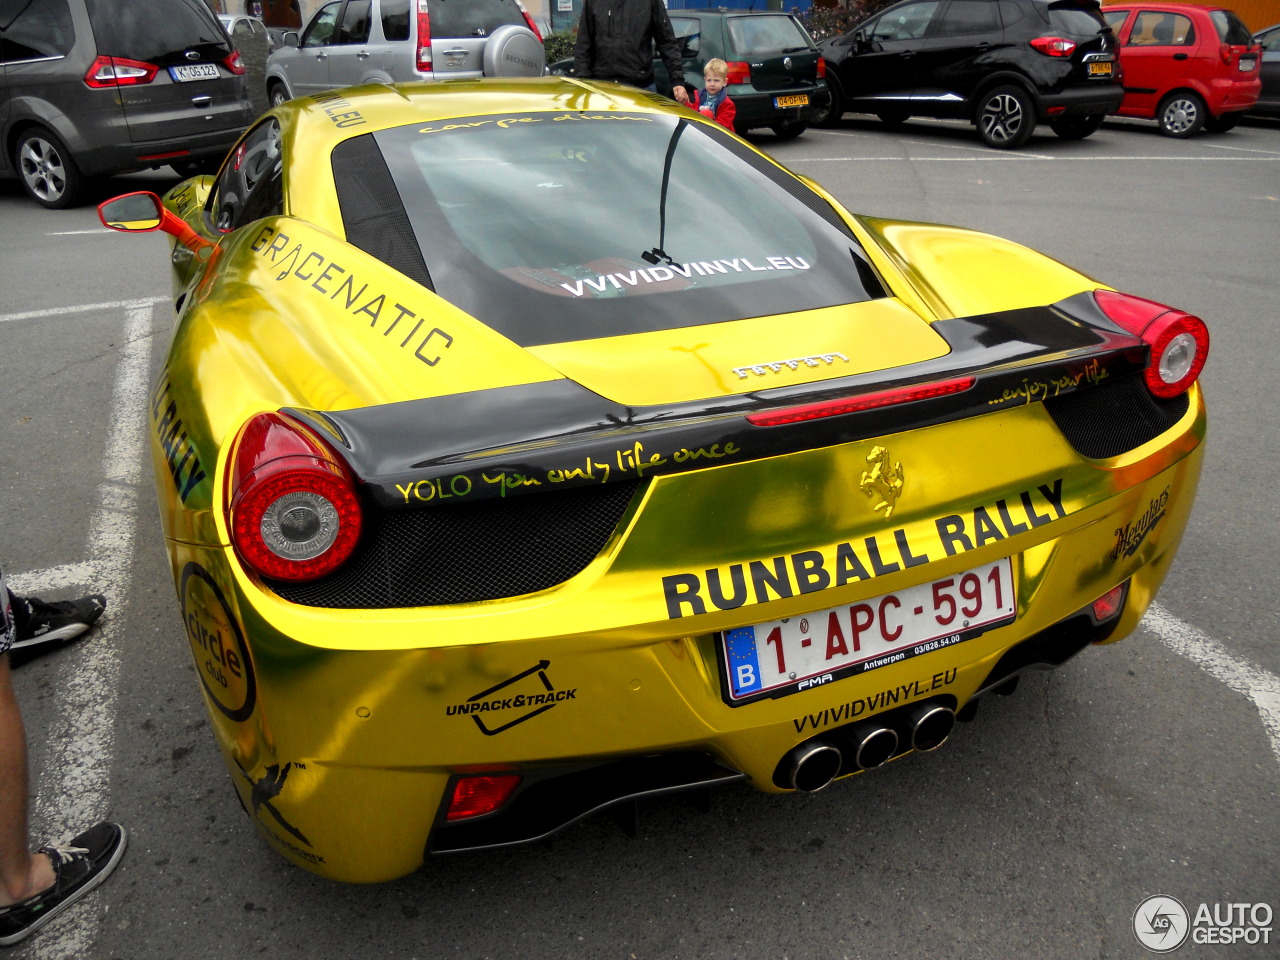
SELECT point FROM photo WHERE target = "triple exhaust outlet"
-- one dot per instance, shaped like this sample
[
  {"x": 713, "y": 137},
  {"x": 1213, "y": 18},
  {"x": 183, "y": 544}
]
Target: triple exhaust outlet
[{"x": 812, "y": 765}]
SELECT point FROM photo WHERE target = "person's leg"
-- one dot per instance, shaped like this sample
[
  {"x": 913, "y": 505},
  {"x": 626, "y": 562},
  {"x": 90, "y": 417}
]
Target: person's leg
[{"x": 22, "y": 873}]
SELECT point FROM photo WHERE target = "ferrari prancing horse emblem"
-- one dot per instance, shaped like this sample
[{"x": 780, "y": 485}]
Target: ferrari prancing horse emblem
[{"x": 883, "y": 481}]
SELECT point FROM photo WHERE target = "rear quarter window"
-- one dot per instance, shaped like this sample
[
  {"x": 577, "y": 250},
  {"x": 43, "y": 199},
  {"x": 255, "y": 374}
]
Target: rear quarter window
[
  {"x": 1076, "y": 19},
  {"x": 158, "y": 31},
  {"x": 471, "y": 18},
  {"x": 395, "y": 19},
  {"x": 523, "y": 222},
  {"x": 35, "y": 31},
  {"x": 754, "y": 35}
]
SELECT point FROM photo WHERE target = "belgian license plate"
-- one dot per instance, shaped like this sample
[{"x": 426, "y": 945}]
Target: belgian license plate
[
  {"x": 194, "y": 71},
  {"x": 1247, "y": 64},
  {"x": 1100, "y": 69},
  {"x": 796, "y": 100},
  {"x": 816, "y": 648}
]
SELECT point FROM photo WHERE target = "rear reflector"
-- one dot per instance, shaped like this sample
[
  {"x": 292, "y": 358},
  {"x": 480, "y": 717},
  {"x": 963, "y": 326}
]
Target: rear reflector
[
  {"x": 476, "y": 796},
  {"x": 866, "y": 401},
  {"x": 1108, "y": 606}
]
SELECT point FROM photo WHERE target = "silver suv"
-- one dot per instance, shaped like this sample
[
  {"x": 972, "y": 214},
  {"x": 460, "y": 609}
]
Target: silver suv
[
  {"x": 351, "y": 42},
  {"x": 93, "y": 88}
]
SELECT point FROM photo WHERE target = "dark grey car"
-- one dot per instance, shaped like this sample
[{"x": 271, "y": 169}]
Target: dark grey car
[{"x": 93, "y": 88}]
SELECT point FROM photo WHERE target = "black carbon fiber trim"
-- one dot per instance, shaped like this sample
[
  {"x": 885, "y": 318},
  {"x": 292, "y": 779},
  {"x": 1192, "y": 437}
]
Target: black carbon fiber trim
[
  {"x": 478, "y": 551},
  {"x": 1114, "y": 418},
  {"x": 372, "y": 214}
]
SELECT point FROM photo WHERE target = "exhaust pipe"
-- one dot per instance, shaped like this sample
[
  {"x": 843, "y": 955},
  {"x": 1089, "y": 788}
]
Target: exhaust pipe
[
  {"x": 811, "y": 765},
  {"x": 872, "y": 745},
  {"x": 930, "y": 724}
]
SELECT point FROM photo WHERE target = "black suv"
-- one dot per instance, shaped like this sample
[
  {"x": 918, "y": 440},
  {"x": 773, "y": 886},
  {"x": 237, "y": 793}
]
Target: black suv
[
  {"x": 1002, "y": 65},
  {"x": 100, "y": 87},
  {"x": 775, "y": 71}
]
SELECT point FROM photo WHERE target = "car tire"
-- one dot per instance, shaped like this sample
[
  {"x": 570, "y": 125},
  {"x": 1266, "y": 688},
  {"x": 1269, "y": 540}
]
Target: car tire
[
  {"x": 1076, "y": 128},
  {"x": 1005, "y": 117},
  {"x": 1181, "y": 115},
  {"x": 48, "y": 172},
  {"x": 277, "y": 94},
  {"x": 835, "y": 109},
  {"x": 893, "y": 119},
  {"x": 1223, "y": 122},
  {"x": 789, "y": 129}
]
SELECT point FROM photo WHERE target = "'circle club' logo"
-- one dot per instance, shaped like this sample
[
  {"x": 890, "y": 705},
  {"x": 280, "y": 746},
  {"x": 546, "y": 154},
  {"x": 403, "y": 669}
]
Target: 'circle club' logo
[{"x": 1161, "y": 924}]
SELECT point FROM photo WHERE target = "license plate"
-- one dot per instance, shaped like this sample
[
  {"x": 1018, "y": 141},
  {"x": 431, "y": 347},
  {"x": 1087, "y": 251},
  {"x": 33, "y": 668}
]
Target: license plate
[
  {"x": 1246, "y": 66},
  {"x": 797, "y": 100},
  {"x": 785, "y": 656},
  {"x": 1101, "y": 69},
  {"x": 194, "y": 71}
]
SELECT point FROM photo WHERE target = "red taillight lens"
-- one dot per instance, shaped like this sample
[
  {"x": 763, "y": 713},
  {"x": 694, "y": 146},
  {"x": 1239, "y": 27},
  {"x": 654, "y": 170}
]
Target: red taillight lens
[
  {"x": 476, "y": 796},
  {"x": 822, "y": 68},
  {"x": 1179, "y": 342},
  {"x": 118, "y": 72},
  {"x": 1224, "y": 51},
  {"x": 739, "y": 72},
  {"x": 423, "y": 62},
  {"x": 233, "y": 63},
  {"x": 1108, "y": 606},
  {"x": 1054, "y": 46},
  {"x": 866, "y": 401},
  {"x": 295, "y": 514}
]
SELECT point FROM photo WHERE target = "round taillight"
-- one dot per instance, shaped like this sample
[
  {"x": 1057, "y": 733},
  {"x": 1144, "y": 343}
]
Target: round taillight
[
  {"x": 1179, "y": 342},
  {"x": 294, "y": 510}
]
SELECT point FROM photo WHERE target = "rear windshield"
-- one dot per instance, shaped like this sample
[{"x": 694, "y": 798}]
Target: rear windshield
[
  {"x": 471, "y": 18},
  {"x": 158, "y": 31},
  {"x": 1080, "y": 19},
  {"x": 556, "y": 227},
  {"x": 1231, "y": 29},
  {"x": 755, "y": 35}
]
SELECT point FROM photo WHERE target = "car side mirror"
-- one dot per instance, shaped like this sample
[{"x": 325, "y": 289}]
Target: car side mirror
[
  {"x": 290, "y": 39},
  {"x": 143, "y": 212}
]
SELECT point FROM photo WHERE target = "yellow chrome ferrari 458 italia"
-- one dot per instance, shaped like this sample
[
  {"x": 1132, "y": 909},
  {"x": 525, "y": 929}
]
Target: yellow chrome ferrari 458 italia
[{"x": 526, "y": 448}]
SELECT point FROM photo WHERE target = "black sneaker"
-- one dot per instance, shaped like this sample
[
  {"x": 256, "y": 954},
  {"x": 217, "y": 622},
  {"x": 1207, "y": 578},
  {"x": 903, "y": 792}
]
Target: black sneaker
[
  {"x": 79, "y": 867},
  {"x": 38, "y": 622}
]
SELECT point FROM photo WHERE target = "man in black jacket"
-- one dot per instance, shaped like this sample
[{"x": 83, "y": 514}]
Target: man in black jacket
[{"x": 616, "y": 40}]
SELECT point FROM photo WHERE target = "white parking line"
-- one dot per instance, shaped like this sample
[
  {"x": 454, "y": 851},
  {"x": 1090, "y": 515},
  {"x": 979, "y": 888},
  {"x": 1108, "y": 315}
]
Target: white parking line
[
  {"x": 81, "y": 308},
  {"x": 74, "y": 786},
  {"x": 995, "y": 157},
  {"x": 1260, "y": 687}
]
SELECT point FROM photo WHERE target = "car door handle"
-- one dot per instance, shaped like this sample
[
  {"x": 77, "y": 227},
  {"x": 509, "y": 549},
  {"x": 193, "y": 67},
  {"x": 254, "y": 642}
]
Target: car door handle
[
  {"x": 1179, "y": 56},
  {"x": 322, "y": 55},
  {"x": 364, "y": 55},
  {"x": 907, "y": 54}
]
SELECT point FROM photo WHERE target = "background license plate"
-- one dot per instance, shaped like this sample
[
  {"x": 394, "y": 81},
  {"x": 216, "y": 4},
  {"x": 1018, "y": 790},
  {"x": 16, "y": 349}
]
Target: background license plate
[
  {"x": 1100, "y": 69},
  {"x": 868, "y": 634},
  {"x": 798, "y": 100},
  {"x": 194, "y": 71}
]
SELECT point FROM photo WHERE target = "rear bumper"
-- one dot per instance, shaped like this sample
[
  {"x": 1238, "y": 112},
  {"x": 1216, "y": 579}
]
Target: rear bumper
[
  {"x": 756, "y": 109},
  {"x": 1084, "y": 100},
  {"x": 1230, "y": 95}
]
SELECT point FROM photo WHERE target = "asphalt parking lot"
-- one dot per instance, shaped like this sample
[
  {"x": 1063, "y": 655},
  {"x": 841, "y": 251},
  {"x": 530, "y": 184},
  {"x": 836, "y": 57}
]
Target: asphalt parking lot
[{"x": 1148, "y": 767}]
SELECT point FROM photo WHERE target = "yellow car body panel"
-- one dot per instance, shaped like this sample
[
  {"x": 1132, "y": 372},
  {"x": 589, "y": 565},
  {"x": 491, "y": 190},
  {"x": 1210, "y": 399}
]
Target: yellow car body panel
[{"x": 344, "y": 728}]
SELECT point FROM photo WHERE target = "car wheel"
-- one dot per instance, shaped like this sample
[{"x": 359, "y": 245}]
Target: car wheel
[
  {"x": 48, "y": 172},
  {"x": 1223, "y": 122},
  {"x": 835, "y": 109},
  {"x": 789, "y": 129},
  {"x": 1181, "y": 115},
  {"x": 277, "y": 94},
  {"x": 1076, "y": 128},
  {"x": 1006, "y": 117},
  {"x": 893, "y": 118}
]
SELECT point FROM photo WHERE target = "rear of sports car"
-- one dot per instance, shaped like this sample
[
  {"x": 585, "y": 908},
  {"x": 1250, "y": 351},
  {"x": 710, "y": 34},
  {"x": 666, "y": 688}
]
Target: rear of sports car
[{"x": 606, "y": 458}]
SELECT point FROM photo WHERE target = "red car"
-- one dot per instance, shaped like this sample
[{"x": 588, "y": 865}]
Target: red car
[{"x": 1187, "y": 67}]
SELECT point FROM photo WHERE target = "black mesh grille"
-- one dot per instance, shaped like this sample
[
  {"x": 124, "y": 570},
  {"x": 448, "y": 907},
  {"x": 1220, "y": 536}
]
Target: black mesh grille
[
  {"x": 1110, "y": 420},
  {"x": 480, "y": 551}
]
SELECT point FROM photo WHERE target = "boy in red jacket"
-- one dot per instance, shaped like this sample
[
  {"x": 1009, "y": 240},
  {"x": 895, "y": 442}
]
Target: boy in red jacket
[{"x": 715, "y": 103}]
